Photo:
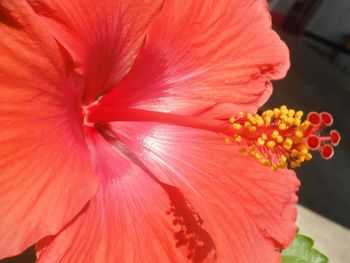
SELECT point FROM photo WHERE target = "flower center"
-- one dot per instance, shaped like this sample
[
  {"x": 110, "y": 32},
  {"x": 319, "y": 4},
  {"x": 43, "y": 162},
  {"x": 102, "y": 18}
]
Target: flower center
[{"x": 277, "y": 138}]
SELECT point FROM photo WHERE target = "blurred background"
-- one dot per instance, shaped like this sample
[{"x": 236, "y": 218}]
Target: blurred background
[{"x": 317, "y": 33}]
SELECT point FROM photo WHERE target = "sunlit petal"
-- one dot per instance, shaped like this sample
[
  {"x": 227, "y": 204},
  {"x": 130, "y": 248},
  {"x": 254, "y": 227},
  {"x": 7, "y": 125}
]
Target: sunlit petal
[{"x": 46, "y": 176}]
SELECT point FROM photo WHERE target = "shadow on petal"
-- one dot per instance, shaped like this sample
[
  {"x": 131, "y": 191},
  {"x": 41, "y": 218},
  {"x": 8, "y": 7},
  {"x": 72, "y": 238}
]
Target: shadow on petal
[
  {"x": 7, "y": 18},
  {"x": 191, "y": 234}
]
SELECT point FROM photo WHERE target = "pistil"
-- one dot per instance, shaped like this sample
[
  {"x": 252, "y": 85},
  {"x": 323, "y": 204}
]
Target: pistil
[
  {"x": 277, "y": 138},
  {"x": 102, "y": 114}
]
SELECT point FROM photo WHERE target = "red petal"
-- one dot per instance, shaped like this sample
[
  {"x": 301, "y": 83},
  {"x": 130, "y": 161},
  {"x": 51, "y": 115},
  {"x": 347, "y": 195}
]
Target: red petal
[
  {"x": 125, "y": 222},
  {"x": 102, "y": 36},
  {"x": 46, "y": 176},
  {"x": 247, "y": 208},
  {"x": 199, "y": 53}
]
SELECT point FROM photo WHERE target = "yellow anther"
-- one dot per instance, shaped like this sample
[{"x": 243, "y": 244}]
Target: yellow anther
[
  {"x": 279, "y": 139},
  {"x": 252, "y": 129},
  {"x": 259, "y": 155},
  {"x": 232, "y": 120},
  {"x": 282, "y": 126},
  {"x": 305, "y": 124},
  {"x": 264, "y": 136},
  {"x": 287, "y": 144},
  {"x": 308, "y": 157},
  {"x": 276, "y": 112},
  {"x": 304, "y": 151},
  {"x": 270, "y": 144},
  {"x": 296, "y": 122},
  {"x": 253, "y": 120},
  {"x": 282, "y": 165},
  {"x": 291, "y": 113},
  {"x": 284, "y": 109},
  {"x": 283, "y": 158},
  {"x": 228, "y": 141},
  {"x": 299, "y": 114},
  {"x": 290, "y": 120},
  {"x": 247, "y": 124},
  {"x": 267, "y": 113},
  {"x": 301, "y": 159},
  {"x": 265, "y": 162},
  {"x": 237, "y": 126},
  {"x": 294, "y": 153},
  {"x": 241, "y": 114},
  {"x": 252, "y": 152},
  {"x": 299, "y": 134},
  {"x": 261, "y": 141},
  {"x": 260, "y": 122},
  {"x": 267, "y": 120},
  {"x": 275, "y": 134},
  {"x": 284, "y": 117},
  {"x": 295, "y": 164},
  {"x": 253, "y": 148},
  {"x": 238, "y": 138}
]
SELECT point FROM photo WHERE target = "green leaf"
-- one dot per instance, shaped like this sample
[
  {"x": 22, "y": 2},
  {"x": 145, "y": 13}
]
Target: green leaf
[{"x": 301, "y": 251}]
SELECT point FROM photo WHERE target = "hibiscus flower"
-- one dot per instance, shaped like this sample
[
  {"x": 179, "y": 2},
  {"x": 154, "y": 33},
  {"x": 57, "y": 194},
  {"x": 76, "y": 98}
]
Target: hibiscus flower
[{"x": 114, "y": 119}]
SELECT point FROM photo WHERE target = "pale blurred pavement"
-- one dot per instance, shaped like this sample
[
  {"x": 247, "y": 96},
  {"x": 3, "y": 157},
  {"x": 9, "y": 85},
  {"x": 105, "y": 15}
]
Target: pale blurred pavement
[{"x": 330, "y": 238}]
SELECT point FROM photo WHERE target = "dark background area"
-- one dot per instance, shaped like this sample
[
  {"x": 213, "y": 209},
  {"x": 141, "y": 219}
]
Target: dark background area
[
  {"x": 316, "y": 32},
  {"x": 26, "y": 257},
  {"x": 316, "y": 83}
]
